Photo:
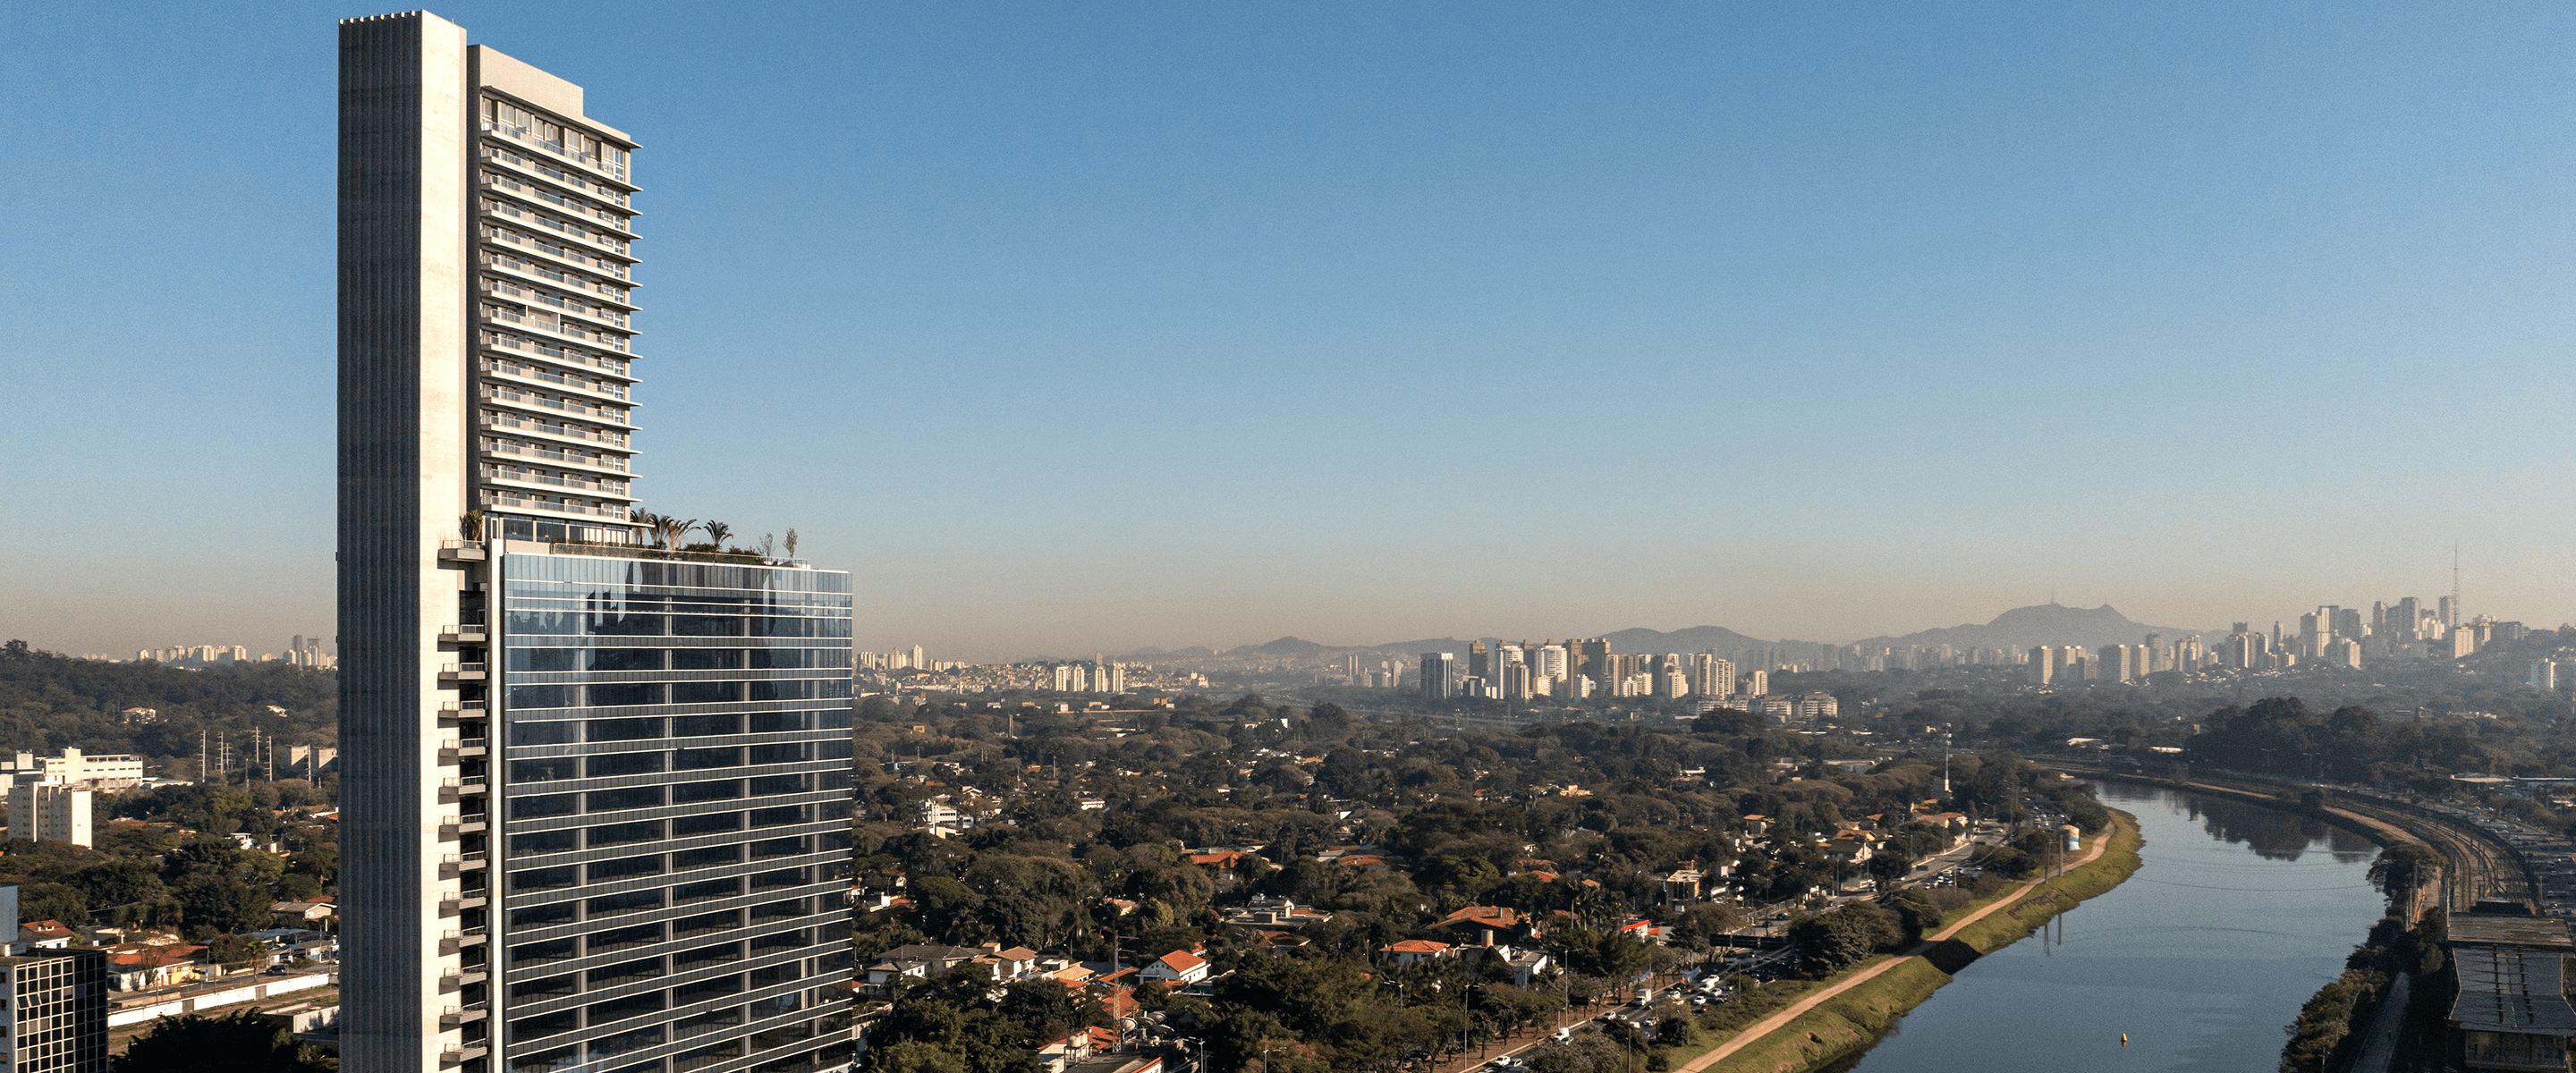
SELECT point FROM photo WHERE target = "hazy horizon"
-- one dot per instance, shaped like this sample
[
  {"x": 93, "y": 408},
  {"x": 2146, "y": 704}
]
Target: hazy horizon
[{"x": 1075, "y": 329}]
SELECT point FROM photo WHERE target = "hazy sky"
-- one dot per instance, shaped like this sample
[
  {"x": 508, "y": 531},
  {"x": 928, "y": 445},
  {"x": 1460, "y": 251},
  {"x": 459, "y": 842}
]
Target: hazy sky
[{"x": 1093, "y": 326}]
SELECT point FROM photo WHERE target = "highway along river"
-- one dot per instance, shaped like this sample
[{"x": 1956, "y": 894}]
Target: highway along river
[{"x": 2238, "y": 915}]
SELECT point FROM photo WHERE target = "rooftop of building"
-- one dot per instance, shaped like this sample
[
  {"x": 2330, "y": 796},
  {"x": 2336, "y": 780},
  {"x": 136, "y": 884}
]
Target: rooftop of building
[{"x": 2509, "y": 989}]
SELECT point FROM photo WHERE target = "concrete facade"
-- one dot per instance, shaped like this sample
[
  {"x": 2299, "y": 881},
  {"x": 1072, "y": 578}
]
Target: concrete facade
[{"x": 50, "y": 812}]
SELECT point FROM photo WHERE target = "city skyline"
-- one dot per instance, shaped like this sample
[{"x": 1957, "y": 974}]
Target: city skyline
[{"x": 1817, "y": 325}]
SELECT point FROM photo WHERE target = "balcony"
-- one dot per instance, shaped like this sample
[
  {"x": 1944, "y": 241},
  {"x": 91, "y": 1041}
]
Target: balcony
[
  {"x": 473, "y": 746},
  {"x": 529, "y": 138},
  {"x": 449, "y": 790},
  {"x": 618, "y": 221},
  {"x": 532, "y": 426},
  {"x": 471, "y": 709},
  {"x": 572, "y": 229},
  {"x": 456, "y": 1015},
  {"x": 457, "y": 1054},
  {"x": 558, "y": 326},
  {"x": 617, "y": 269},
  {"x": 620, "y": 293},
  {"x": 513, "y": 475},
  {"x": 516, "y": 397},
  {"x": 614, "y": 318},
  {"x": 613, "y": 389},
  {"x": 612, "y": 463},
  {"x": 470, "y": 633},
  {"x": 507, "y": 501},
  {"x": 455, "y": 979},
  {"x": 460, "y": 551},
  {"x": 462, "y": 672}
]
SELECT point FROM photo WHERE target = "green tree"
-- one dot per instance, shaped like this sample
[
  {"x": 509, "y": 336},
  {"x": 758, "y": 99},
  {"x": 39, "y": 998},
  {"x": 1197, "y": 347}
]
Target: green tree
[
  {"x": 241, "y": 1042},
  {"x": 53, "y": 901},
  {"x": 216, "y": 903},
  {"x": 1830, "y": 940}
]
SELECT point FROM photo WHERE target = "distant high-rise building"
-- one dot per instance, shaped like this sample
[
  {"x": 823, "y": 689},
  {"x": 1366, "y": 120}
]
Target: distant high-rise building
[
  {"x": 2407, "y": 620},
  {"x": 1756, "y": 684},
  {"x": 1516, "y": 679},
  {"x": 2450, "y": 612},
  {"x": 1591, "y": 658},
  {"x": 1552, "y": 661},
  {"x": 1479, "y": 660},
  {"x": 2043, "y": 664},
  {"x": 1437, "y": 667},
  {"x": 2544, "y": 674}
]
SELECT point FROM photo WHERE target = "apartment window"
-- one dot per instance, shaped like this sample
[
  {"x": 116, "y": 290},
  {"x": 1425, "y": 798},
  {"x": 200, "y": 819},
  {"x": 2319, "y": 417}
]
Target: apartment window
[
  {"x": 708, "y": 824},
  {"x": 690, "y": 793},
  {"x": 622, "y": 729},
  {"x": 619, "y": 834},
  {"x": 563, "y": 986},
  {"x": 547, "y": 770},
  {"x": 621, "y": 800},
  {"x": 536, "y": 879},
  {"x": 626, "y": 868},
  {"x": 705, "y": 726},
  {"x": 541, "y": 842},
  {"x": 629, "y": 902},
  {"x": 608, "y": 765}
]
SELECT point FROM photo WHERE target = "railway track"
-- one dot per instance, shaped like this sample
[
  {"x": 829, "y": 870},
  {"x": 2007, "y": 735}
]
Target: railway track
[{"x": 2478, "y": 866}]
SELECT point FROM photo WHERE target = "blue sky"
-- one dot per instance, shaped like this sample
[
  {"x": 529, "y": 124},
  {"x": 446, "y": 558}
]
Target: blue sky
[{"x": 1077, "y": 327}]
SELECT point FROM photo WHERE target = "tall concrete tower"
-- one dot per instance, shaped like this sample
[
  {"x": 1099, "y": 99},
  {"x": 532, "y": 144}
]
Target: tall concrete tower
[{"x": 595, "y": 794}]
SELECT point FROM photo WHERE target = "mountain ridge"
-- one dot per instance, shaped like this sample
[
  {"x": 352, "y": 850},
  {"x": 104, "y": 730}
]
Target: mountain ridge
[{"x": 2020, "y": 627}]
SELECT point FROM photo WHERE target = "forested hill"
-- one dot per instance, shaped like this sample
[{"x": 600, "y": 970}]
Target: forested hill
[{"x": 50, "y": 701}]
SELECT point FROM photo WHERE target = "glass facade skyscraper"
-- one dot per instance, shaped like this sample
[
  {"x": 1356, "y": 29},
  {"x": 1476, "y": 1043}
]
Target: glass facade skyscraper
[{"x": 672, "y": 814}]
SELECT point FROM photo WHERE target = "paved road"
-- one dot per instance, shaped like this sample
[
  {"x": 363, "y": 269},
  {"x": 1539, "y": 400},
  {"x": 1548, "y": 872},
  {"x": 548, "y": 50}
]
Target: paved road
[{"x": 1767, "y": 1025}]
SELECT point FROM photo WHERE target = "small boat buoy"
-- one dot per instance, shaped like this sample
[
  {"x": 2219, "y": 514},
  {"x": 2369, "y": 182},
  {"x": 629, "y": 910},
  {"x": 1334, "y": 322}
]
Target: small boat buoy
[{"x": 2124, "y": 1039}]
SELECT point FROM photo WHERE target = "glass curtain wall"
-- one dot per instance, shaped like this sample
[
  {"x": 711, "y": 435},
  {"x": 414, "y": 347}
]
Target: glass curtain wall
[{"x": 671, "y": 817}]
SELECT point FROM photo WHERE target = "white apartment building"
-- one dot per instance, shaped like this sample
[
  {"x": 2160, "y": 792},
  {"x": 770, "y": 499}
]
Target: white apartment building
[
  {"x": 50, "y": 812},
  {"x": 106, "y": 771}
]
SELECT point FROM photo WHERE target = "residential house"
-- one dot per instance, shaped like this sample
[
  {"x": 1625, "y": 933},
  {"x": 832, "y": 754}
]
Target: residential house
[
  {"x": 141, "y": 967},
  {"x": 46, "y": 935},
  {"x": 1176, "y": 969},
  {"x": 921, "y": 961},
  {"x": 1413, "y": 950},
  {"x": 295, "y": 914}
]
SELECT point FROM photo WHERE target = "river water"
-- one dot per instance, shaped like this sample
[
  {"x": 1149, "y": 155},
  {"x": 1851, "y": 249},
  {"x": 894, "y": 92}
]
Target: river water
[{"x": 2237, "y": 916}]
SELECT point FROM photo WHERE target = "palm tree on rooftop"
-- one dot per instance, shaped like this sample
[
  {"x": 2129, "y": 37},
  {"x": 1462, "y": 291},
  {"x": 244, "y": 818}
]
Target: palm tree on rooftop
[{"x": 716, "y": 533}]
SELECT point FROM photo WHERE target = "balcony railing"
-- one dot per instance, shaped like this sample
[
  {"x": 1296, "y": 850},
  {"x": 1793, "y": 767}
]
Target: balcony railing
[
  {"x": 493, "y": 420},
  {"x": 559, "y": 326},
  {"x": 512, "y": 502},
  {"x": 568, "y": 228},
  {"x": 538, "y": 268},
  {"x": 565, "y": 354},
  {"x": 524, "y": 398},
  {"x": 618, "y": 220},
  {"x": 578, "y": 383},
  {"x": 566, "y": 253},
  {"x": 514, "y": 447},
  {"x": 529, "y": 138},
  {"x": 495, "y": 473},
  {"x": 531, "y": 294}
]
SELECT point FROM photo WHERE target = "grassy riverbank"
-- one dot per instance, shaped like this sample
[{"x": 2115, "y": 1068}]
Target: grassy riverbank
[{"x": 1852, "y": 1019}]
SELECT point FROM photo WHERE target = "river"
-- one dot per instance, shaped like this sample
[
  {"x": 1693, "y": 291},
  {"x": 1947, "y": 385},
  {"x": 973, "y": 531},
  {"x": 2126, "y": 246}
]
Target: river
[{"x": 2237, "y": 916}]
